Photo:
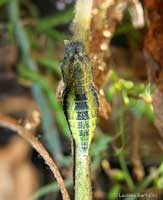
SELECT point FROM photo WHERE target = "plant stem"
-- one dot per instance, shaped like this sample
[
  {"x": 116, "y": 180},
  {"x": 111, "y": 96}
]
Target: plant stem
[
  {"x": 83, "y": 188},
  {"x": 121, "y": 153},
  {"x": 82, "y": 19},
  {"x": 128, "y": 178},
  {"x": 82, "y": 162}
]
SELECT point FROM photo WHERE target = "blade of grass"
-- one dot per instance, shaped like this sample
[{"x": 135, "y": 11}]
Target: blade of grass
[
  {"x": 121, "y": 152},
  {"x": 55, "y": 35},
  {"x": 51, "y": 64},
  {"x": 53, "y": 187},
  {"x": 43, "y": 83},
  {"x": 23, "y": 43},
  {"x": 55, "y": 20}
]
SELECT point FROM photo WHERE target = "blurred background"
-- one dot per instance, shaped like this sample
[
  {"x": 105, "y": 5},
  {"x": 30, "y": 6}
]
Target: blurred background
[{"x": 126, "y": 47}]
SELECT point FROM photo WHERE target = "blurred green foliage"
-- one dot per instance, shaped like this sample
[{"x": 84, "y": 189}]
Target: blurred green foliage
[
  {"x": 114, "y": 192},
  {"x": 136, "y": 96},
  {"x": 99, "y": 146},
  {"x": 2, "y": 2},
  {"x": 51, "y": 188},
  {"x": 59, "y": 19},
  {"x": 50, "y": 94},
  {"x": 40, "y": 65},
  {"x": 50, "y": 64}
]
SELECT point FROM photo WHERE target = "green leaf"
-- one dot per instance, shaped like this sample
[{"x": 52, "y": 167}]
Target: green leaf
[
  {"x": 141, "y": 108},
  {"x": 55, "y": 20},
  {"x": 119, "y": 175},
  {"x": 110, "y": 92},
  {"x": 51, "y": 64},
  {"x": 52, "y": 187},
  {"x": 2, "y": 2},
  {"x": 127, "y": 84},
  {"x": 112, "y": 75},
  {"x": 49, "y": 93},
  {"x": 55, "y": 35},
  {"x": 114, "y": 192}
]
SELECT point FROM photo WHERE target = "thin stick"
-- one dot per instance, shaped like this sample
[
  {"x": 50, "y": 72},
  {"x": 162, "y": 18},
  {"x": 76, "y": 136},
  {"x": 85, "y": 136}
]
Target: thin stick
[
  {"x": 82, "y": 19},
  {"x": 83, "y": 186},
  {"x": 10, "y": 123},
  {"x": 121, "y": 154}
]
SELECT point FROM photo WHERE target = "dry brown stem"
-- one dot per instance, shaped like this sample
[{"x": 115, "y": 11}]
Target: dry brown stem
[
  {"x": 12, "y": 124},
  {"x": 154, "y": 56},
  {"x": 106, "y": 15}
]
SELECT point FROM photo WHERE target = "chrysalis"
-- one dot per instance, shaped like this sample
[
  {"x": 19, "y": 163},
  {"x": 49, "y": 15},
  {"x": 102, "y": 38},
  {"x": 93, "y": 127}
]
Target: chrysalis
[{"x": 80, "y": 100}]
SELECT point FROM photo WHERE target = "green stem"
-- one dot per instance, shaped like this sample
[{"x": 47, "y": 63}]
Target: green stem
[
  {"x": 121, "y": 153},
  {"x": 83, "y": 188},
  {"x": 128, "y": 178},
  {"x": 82, "y": 20}
]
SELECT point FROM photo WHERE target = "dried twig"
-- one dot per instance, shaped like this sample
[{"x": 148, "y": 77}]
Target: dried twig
[
  {"x": 10, "y": 123},
  {"x": 105, "y": 17}
]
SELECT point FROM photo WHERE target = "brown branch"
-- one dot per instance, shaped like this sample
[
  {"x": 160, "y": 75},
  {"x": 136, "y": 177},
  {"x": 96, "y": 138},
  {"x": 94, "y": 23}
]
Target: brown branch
[
  {"x": 12, "y": 124},
  {"x": 105, "y": 17},
  {"x": 154, "y": 57}
]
